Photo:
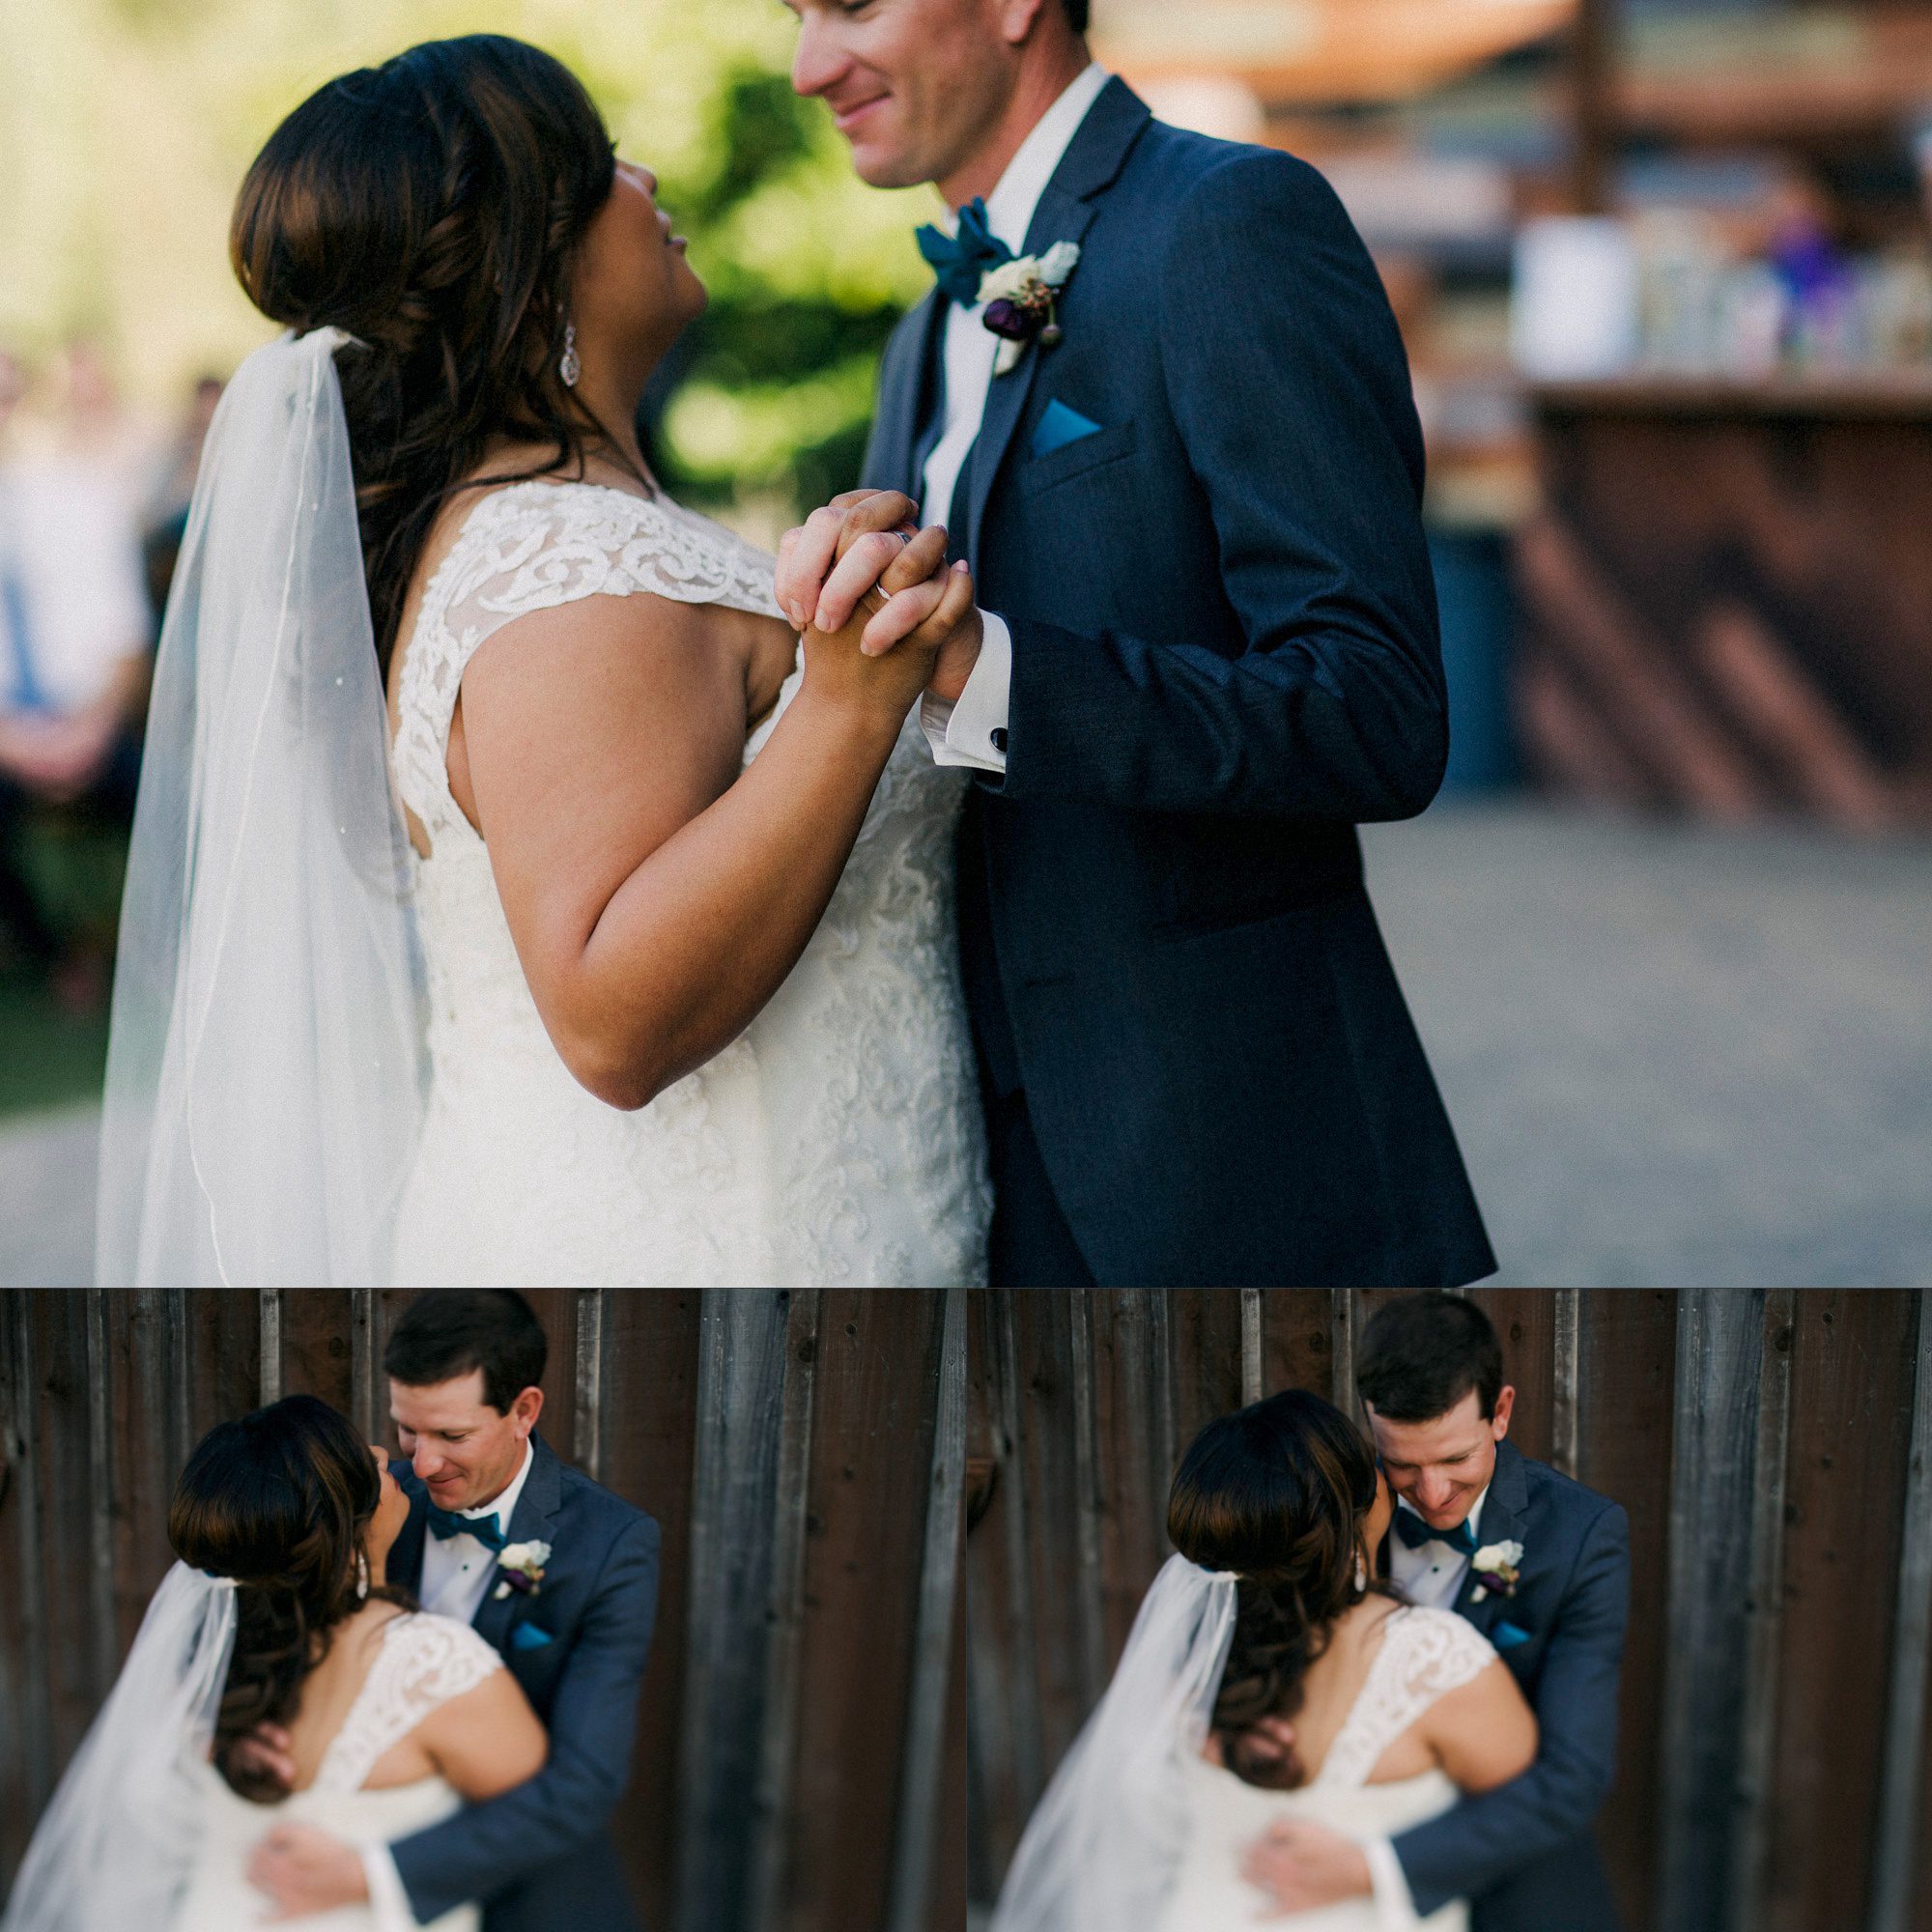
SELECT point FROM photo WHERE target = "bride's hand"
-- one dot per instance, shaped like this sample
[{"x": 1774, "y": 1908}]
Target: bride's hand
[
  {"x": 883, "y": 657},
  {"x": 829, "y": 567}
]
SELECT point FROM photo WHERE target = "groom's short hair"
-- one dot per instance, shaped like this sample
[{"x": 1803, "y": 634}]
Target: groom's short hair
[
  {"x": 447, "y": 1332},
  {"x": 1419, "y": 1356},
  {"x": 1078, "y": 13}
]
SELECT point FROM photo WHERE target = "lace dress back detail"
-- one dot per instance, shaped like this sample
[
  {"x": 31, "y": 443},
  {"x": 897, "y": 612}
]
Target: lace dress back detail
[
  {"x": 1424, "y": 1655},
  {"x": 423, "y": 1660},
  {"x": 838, "y": 1140}
]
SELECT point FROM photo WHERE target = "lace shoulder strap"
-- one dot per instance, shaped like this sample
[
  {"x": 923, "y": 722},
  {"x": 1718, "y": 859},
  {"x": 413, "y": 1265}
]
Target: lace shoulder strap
[
  {"x": 424, "y": 1662},
  {"x": 533, "y": 547},
  {"x": 1425, "y": 1654}
]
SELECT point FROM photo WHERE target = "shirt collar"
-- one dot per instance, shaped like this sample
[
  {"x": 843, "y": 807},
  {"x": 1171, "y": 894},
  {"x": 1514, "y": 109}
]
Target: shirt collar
[
  {"x": 505, "y": 1507},
  {"x": 1010, "y": 207},
  {"x": 1474, "y": 1518}
]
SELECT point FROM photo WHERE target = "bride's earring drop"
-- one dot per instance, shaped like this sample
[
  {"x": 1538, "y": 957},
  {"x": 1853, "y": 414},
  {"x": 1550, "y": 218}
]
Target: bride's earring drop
[
  {"x": 570, "y": 368},
  {"x": 361, "y": 1577},
  {"x": 1361, "y": 1574}
]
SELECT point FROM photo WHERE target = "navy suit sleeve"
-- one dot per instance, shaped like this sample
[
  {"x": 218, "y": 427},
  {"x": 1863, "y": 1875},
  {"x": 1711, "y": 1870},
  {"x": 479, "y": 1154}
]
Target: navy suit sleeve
[
  {"x": 1286, "y": 380},
  {"x": 593, "y": 1722},
  {"x": 1485, "y": 1838}
]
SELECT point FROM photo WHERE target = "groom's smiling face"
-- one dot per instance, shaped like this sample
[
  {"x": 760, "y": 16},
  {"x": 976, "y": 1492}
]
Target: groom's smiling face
[
  {"x": 464, "y": 1452},
  {"x": 914, "y": 85},
  {"x": 1439, "y": 1467}
]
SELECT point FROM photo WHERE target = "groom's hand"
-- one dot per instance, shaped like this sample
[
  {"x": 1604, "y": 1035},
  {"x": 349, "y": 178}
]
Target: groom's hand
[
  {"x": 268, "y": 1752},
  {"x": 1302, "y": 1865},
  {"x": 855, "y": 544},
  {"x": 304, "y": 1870}
]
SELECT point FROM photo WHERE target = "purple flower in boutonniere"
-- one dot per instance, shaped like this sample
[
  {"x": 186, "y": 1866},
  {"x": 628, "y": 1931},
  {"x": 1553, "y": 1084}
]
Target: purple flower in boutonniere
[
  {"x": 1021, "y": 299},
  {"x": 1497, "y": 1562},
  {"x": 520, "y": 1567}
]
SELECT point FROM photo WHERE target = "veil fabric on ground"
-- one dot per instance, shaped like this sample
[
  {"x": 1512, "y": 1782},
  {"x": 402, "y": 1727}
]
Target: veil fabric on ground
[
  {"x": 117, "y": 1843},
  {"x": 263, "y": 1078},
  {"x": 1103, "y": 1846}
]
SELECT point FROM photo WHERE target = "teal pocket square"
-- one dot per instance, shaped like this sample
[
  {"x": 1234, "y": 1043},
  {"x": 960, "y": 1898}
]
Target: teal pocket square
[
  {"x": 1506, "y": 1637},
  {"x": 1059, "y": 427},
  {"x": 527, "y": 1637}
]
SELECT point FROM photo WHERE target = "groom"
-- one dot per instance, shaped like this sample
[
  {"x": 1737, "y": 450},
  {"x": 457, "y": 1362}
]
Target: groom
[
  {"x": 1541, "y": 1565},
  {"x": 464, "y": 1369},
  {"x": 1207, "y": 648}
]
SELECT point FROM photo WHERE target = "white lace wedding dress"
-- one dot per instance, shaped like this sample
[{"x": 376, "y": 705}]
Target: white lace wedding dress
[
  {"x": 838, "y": 1140},
  {"x": 1424, "y": 1654},
  {"x": 424, "y": 1660}
]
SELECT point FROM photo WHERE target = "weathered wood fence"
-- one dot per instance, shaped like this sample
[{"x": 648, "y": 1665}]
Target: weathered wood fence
[
  {"x": 801, "y": 1759},
  {"x": 1774, "y": 1449}
]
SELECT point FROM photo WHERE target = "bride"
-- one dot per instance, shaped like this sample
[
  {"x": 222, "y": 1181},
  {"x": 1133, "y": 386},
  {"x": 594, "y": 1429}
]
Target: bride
[
  {"x": 277, "y": 1612},
  {"x": 1268, "y": 1676},
  {"x": 644, "y": 972}
]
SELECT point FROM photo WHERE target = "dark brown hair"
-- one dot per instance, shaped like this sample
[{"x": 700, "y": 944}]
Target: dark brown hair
[
  {"x": 1077, "y": 13},
  {"x": 1422, "y": 1353},
  {"x": 431, "y": 207},
  {"x": 1277, "y": 1491},
  {"x": 454, "y": 1330},
  {"x": 281, "y": 1502}
]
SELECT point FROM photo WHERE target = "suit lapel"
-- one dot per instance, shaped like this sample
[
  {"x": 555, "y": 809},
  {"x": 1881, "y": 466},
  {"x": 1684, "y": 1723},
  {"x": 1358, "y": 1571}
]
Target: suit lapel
[
  {"x": 1092, "y": 161},
  {"x": 906, "y": 399},
  {"x": 531, "y": 1521},
  {"x": 405, "y": 1566},
  {"x": 1503, "y": 1510}
]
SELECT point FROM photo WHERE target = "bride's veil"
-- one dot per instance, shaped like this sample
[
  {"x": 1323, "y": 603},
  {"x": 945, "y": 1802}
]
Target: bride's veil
[
  {"x": 263, "y": 1064},
  {"x": 1103, "y": 1846},
  {"x": 115, "y": 1846}
]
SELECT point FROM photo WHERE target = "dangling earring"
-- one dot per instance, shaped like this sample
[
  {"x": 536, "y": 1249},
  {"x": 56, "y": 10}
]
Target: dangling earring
[
  {"x": 1361, "y": 1574},
  {"x": 362, "y": 1577},
  {"x": 570, "y": 368}
]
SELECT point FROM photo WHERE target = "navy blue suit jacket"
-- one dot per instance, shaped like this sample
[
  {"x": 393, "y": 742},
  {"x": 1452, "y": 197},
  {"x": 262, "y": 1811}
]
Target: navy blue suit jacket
[
  {"x": 1225, "y": 655},
  {"x": 540, "y": 1856},
  {"x": 1524, "y": 1853}
]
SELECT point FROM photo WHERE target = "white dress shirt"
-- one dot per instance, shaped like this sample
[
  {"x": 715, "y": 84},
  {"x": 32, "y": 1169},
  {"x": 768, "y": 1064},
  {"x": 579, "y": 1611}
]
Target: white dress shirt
[
  {"x": 1432, "y": 1574},
  {"x": 963, "y": 733},
  {"x": 456, "y": 1576}
]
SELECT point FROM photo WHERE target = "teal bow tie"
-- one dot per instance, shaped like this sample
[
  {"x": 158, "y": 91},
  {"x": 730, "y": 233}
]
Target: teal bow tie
[
  {"x": 961, "y": 260},
  {"x": 1414, "y": 1532},
  {"x": 486, "y": 1529}
]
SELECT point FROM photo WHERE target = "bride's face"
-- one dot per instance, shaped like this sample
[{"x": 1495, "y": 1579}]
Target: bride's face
[
  {"x": 633, "y": 293},
  {"x": 391, "y": 1513}
]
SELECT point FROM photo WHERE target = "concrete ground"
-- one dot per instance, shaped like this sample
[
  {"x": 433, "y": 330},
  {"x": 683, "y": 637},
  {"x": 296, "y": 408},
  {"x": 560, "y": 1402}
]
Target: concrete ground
[{"x": 1676, "y": 1056}]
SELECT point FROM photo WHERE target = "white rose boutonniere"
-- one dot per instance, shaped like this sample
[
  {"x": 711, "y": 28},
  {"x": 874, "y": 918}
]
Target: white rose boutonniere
[
  {"x": 520, "y": 1568},
  {"x": 1020, "y": 297},
  {"x": 1498, "y": 1562}
]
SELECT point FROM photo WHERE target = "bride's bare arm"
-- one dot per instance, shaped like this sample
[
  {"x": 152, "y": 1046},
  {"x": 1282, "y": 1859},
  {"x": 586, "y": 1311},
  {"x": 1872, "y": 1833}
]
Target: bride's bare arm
[
  {"x": 487, "y": 1741},
  {"x": 1483, "y": 1733},
  {"x": 657, "y": 896}
]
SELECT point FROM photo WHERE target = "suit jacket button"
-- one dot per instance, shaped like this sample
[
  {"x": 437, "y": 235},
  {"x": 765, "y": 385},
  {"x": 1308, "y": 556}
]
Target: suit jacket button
[{"x": 1000, "y": 738}]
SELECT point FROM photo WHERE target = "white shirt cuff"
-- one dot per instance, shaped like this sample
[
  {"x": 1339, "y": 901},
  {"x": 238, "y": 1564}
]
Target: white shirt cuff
[
  {"x": 1395, "y": 1907},
  {"x": 389, "y": 1903},
  {"x": 963, "y": 733}
]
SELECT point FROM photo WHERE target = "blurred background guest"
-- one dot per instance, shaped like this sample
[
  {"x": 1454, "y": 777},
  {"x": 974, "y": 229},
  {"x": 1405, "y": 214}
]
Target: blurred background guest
[{"x": 75, "y": 636}]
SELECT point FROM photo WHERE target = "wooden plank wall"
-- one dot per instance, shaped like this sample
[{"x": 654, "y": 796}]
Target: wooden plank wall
[
  {"x": 1774, "y": 1452},
  {"x": 801, "y": 1757}
]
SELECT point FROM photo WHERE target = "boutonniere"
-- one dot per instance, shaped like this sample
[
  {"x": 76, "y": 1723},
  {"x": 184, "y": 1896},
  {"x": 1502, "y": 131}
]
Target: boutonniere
[
  {"x": 520, "y": 1568},
  {"x": 1021, "y": 297},
  {"x": 1496, "y": 1561}
]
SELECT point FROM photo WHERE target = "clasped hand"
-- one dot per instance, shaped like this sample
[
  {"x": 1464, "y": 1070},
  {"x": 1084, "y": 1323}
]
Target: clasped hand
[{"x": 865, "y": 549}]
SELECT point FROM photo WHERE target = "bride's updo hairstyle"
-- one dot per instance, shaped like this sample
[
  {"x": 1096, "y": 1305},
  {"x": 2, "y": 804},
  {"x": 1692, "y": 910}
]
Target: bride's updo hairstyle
[
  {"x": 281, "y": 1502},
  {"x": 431, "y": 207},
  {"x": 1276, "y": 1491}
]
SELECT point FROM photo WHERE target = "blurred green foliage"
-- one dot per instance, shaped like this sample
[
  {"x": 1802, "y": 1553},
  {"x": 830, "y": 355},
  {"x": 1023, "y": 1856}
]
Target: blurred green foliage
[{"x": 125, "y": 125}]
